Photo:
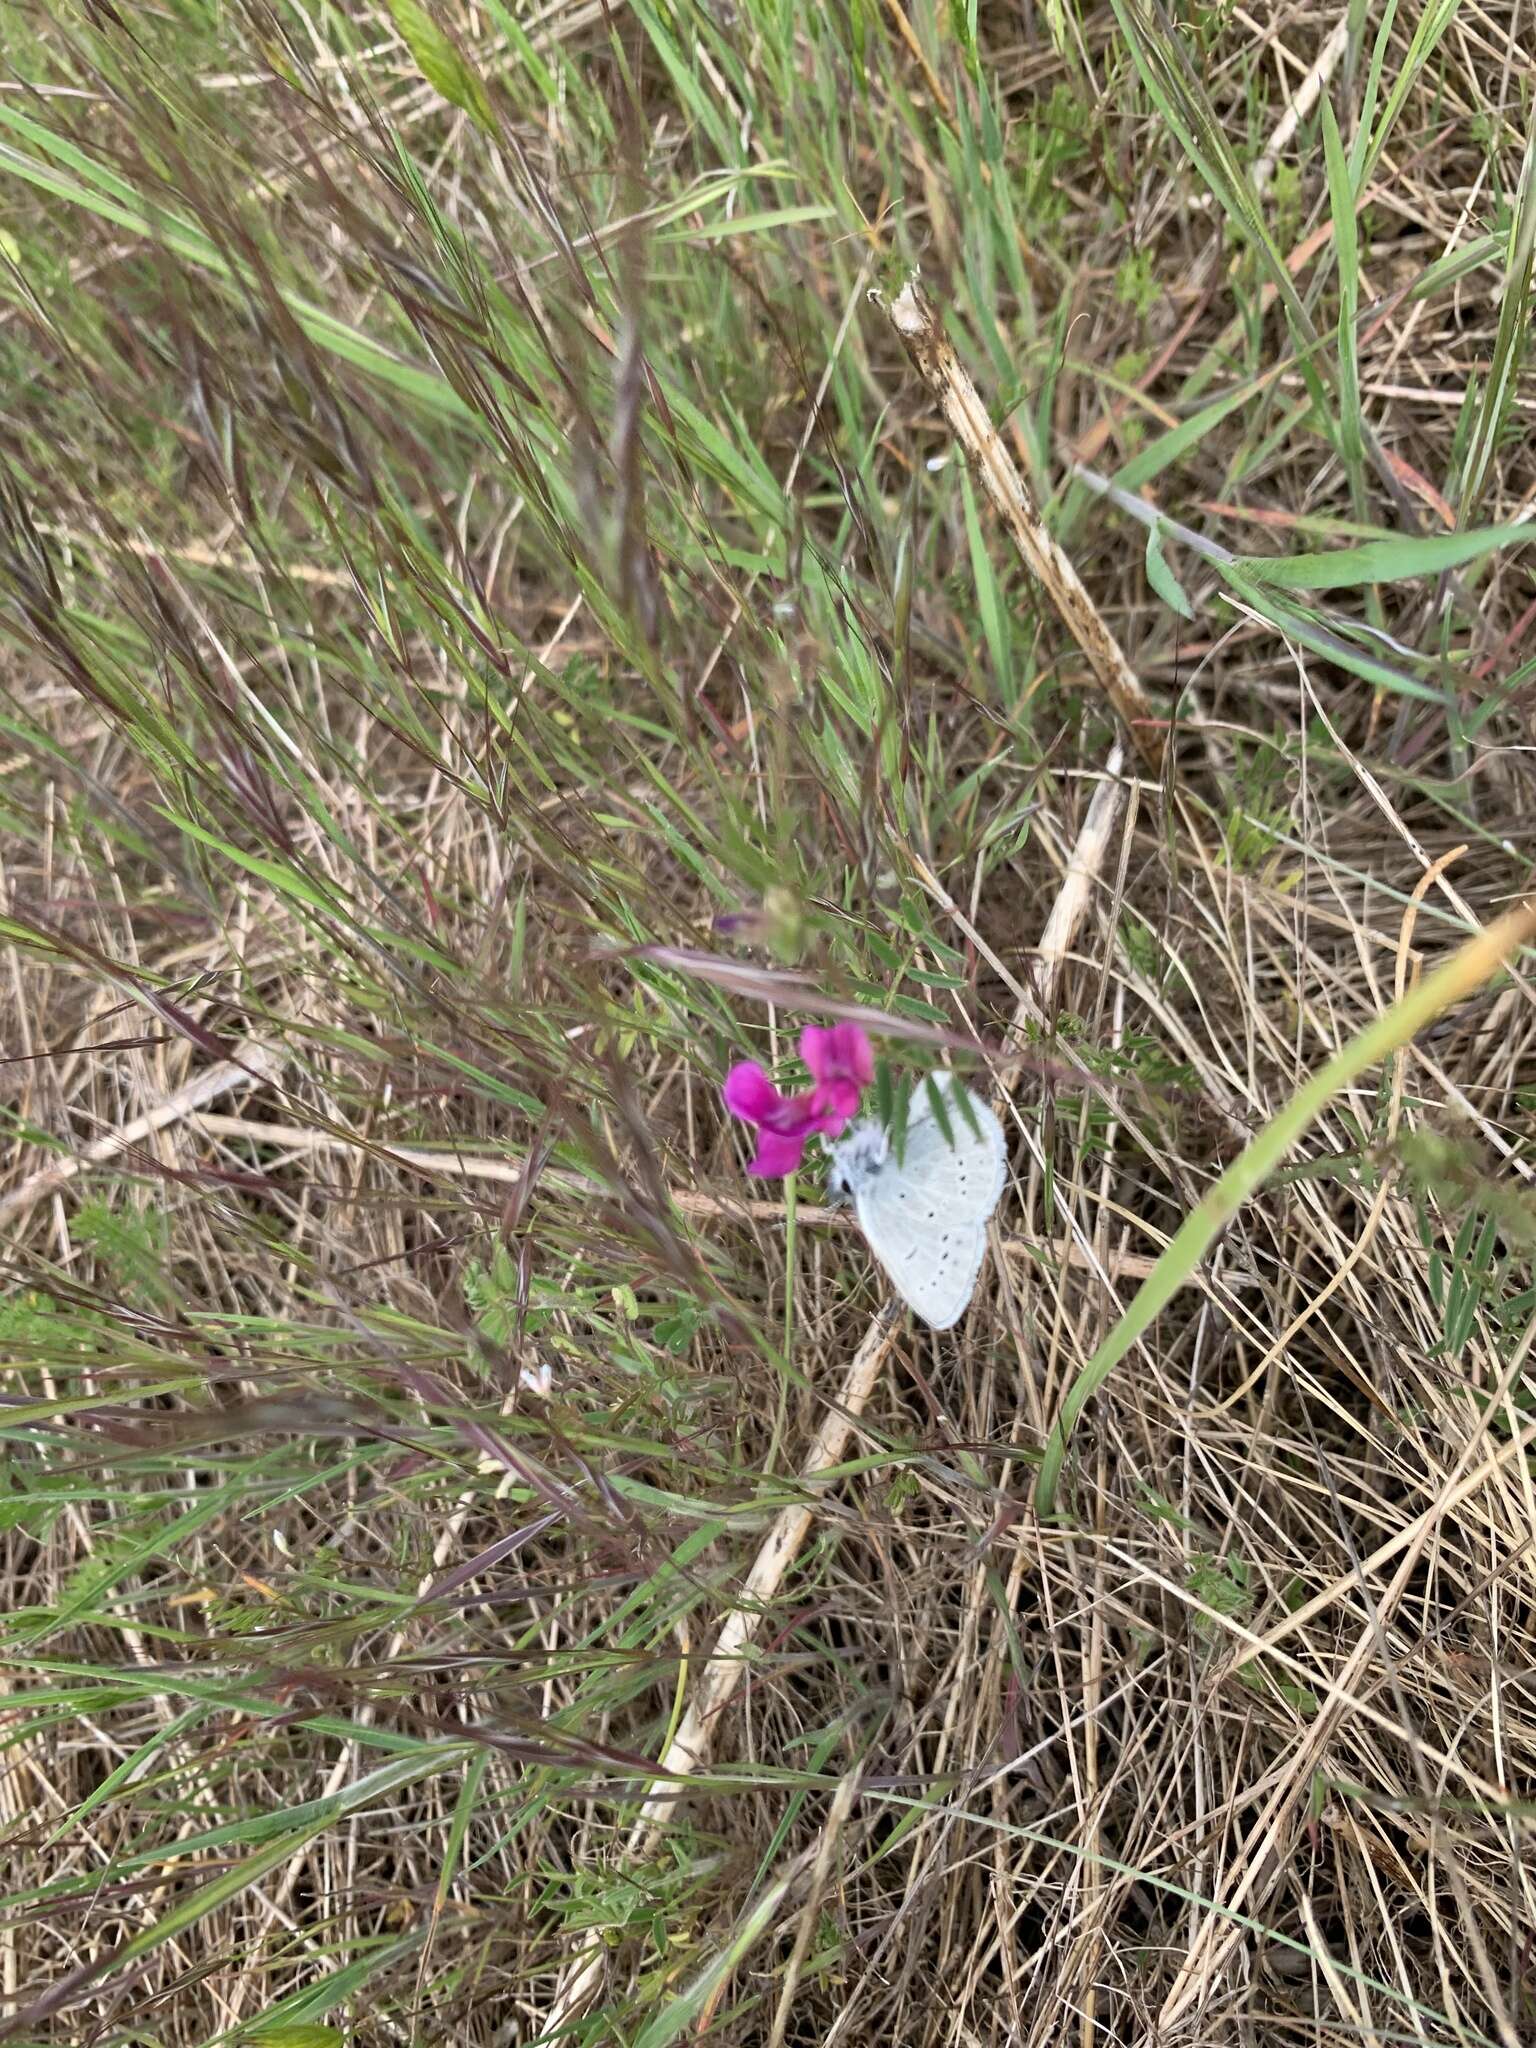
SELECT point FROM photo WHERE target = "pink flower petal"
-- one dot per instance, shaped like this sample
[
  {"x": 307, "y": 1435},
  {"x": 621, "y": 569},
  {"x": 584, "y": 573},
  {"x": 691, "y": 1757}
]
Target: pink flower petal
[
  {"x": 749, "y": 1093},
  {"x": 835, "y": 1102},
  {"x": 778, "y": 1153},
  {"x": 838, "y": 1052},
  {"x": 797, "y": 1116},
  {"x": 842, "y": 1064}
]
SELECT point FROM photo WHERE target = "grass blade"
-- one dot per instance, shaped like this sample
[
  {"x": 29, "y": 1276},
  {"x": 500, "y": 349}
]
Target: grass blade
[{"x": 1474, "y": 964}]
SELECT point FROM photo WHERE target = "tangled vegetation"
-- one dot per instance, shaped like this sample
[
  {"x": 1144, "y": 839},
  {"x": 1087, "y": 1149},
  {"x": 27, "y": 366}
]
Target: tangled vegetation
[{"x": 500, "y": 620}]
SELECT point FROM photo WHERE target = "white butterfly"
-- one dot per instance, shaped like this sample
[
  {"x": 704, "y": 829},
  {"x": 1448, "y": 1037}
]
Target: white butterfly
[{"x": 925, "y": 1214}]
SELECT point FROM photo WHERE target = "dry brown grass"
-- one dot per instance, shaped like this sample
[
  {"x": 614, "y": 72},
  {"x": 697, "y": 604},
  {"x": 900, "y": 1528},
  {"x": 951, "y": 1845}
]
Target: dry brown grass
[{"x": 420, "y": 1404}]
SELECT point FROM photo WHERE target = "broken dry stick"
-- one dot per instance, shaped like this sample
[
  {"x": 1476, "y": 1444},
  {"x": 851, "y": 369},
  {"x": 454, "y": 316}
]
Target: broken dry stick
[{"x": 915, "y": 319}]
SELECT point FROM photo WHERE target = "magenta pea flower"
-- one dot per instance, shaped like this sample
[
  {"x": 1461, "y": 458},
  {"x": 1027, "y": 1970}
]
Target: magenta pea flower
[{"x": 842, "y": 1064}]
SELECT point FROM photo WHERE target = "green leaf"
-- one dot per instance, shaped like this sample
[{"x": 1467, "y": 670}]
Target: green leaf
[
  {"x": 195, "y": 1905},
  {"x": 1431, "y": 25},
  {"x": 132, "y": 1246},
  {"x": 1161, "y": 577},
  {"x": 441, "y": 62},
  {"x": 1377, "y": 561},
  {"x": 1328, "y": 639},
  {"x": 989, "y": 598},
  {"x": 748, "y": 224},
  {"x": 1346, "y": 247},
  {"x": 682, "y": 2013},
  {"x": 1510, "y": 342},
  {"x": 112, "y": 199},
  {"x": 297, "y": 2036},
  {"x": 1482, "y": 959},
  {"x": 1369, "y": 102},
  {"x": 1176, "y": 443},
  {"x": 1177, "y": 88}
]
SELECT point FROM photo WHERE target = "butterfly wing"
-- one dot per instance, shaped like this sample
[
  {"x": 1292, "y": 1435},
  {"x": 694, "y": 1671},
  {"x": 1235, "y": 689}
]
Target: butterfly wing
[
  {"x": 933, "y": 1270},
  {"x": 959, "y": 1180},
  {"x": 925, "y": 1216}
]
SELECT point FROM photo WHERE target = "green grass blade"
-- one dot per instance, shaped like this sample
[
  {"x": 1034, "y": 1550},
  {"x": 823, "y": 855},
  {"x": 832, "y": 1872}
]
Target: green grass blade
[
  {"x": 1176, "y": 90},
  {"x": 1380, "y": 561},
  {"x": 1346, "y": 251},
  {"x": 1427, "y": 33},
  {"x": 1468, "y": 969},
  {"x": 1511, "y": 341}
]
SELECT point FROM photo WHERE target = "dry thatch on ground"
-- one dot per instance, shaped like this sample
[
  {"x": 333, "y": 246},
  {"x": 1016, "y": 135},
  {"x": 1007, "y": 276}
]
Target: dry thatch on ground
[{"x": 496, "y": 628}]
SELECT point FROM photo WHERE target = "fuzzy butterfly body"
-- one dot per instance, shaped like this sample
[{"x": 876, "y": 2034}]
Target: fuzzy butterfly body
[{"x": 925, "y": 1214}]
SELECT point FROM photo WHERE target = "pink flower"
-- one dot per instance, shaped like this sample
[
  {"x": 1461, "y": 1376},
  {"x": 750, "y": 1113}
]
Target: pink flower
[{"x": 842, "y": 1064}]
